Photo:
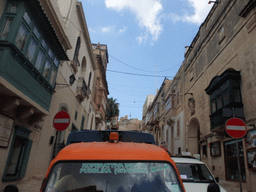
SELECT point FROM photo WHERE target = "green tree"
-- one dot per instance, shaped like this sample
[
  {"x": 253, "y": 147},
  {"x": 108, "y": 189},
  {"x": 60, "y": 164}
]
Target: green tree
[{"x": 112, "y": 109}]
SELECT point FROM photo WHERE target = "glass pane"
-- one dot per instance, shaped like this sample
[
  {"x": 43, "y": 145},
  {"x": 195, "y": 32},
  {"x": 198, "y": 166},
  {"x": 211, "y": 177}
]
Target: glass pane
[
  {"x": 50, "y": 53},
  {"x": 226, "y": 97},
  {"x": 44, "y": 44},
  {"x": 40, "y": 60},
  {"x": 213, "y": 106},
  {"x": 231, "y": 161},
  {"x": 15, "y": 157},
  {"x": 47, "y": 69},
  {"x": 219, "y": 102},
  {"x": 56, "y": 62},
  {"x": 36, "y": 32},
  {"x": 27, "y": 18},
  {"x": 31, "y": 49},
  {"x": 13, "y": 8},
  {"x": 52, "y": 78},
  {"x": 21, "y": 37},
  {"x": 194, "y": 173},
  {"x": 237, "y": 95},
  {"x": 6, "y": 28},
  {"x": 116, "y": 176}
]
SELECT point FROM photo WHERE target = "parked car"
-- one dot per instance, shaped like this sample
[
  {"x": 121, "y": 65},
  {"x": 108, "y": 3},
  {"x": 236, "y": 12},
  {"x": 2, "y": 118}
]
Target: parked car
[
  {"x": 112, "y": 166},
  {"x": 195, "y": 174}
]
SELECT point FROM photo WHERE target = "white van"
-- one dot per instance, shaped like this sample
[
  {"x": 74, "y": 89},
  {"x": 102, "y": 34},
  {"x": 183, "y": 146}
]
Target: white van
[{"x": 195, "y": 174}]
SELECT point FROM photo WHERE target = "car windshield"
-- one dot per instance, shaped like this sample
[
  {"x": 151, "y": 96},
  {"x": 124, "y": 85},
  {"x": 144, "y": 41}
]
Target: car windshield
[
  {"x": 198, "y": 173},
  {"x": 113, "y": 177}
]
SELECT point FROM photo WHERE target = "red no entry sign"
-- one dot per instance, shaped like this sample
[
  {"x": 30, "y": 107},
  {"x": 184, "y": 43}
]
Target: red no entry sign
[
  {"x": 236, "y": 128},
  {"x": 61, "y": 120}
]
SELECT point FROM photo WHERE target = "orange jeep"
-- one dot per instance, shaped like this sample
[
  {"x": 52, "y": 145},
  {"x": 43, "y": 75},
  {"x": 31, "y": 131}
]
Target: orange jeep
[{"x": 112, "y": 166}]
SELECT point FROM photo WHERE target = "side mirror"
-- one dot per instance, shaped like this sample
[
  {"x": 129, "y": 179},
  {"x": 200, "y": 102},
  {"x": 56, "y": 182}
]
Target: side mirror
[
  {"x": 11, "y": 188},
  {"x": 217, "y": 179},
  {"x": 213, "y": 187}
]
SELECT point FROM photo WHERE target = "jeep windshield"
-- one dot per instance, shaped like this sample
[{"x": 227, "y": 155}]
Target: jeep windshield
[
  {"x": 198, "y": 173},
  {"x": 113, "y": 177}
]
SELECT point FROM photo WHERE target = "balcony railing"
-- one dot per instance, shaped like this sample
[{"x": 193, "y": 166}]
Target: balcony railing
[{"x": 82, "y": 90}]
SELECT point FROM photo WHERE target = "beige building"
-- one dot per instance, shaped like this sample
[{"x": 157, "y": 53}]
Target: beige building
[
  {"x": 215, "y": 83},
  {"x": 126, "y": 124},
  {"x": 154, "y": 116},
  {"x": 100, "y": 91},
  {"x": 219, "y": 70},
  {"x": 57, "y": 72}
]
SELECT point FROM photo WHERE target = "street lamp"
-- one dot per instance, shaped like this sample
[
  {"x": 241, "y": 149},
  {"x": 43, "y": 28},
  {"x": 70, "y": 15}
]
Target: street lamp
[{"x": 72, "y": 79}]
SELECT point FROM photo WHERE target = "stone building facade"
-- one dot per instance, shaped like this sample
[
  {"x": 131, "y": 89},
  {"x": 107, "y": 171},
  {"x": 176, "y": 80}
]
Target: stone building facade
[
  {"x": 100, "y": 91},
  {"x": 47, "y": 65},
  {"x": 216, "y": 82},
  {"x": 219, "y": 71},
  {"x": 126, "y": 124}
]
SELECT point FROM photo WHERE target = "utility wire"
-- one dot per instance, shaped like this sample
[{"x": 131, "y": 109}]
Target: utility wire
[
  {"x": 122, "y": 61},
  {"x": 143, "y": 69},
  {"x": 138, "y": 74}
]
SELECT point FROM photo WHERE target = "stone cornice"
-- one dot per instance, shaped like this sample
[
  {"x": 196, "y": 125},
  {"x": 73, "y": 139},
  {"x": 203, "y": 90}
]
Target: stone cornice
[{"x": 81, "y": 17}]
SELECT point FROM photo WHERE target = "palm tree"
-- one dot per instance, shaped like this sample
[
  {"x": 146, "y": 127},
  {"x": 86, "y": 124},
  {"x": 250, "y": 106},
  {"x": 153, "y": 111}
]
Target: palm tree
[{"x": 112, "y": 109}]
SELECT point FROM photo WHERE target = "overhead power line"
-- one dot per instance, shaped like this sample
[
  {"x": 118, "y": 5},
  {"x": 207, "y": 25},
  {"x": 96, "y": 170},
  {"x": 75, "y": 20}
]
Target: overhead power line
[
  {"x": 125, "y": 63},
  {"x": 143, "y": 69},
  {"x": 138, "y": 74}
]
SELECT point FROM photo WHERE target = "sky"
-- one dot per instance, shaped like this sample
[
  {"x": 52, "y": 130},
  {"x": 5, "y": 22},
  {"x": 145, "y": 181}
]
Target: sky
[{"x": 146, "y": 42}]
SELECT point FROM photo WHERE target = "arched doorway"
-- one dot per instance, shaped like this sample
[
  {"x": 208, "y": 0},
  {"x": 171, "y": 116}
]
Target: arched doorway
[{"x": 193, "y": 137}]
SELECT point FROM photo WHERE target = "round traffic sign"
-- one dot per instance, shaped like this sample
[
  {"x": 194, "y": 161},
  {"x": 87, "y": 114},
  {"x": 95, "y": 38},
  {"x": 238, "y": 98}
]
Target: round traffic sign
[
  {"x": 61, "y": 120},
  {"x": 236, "y": 128}
]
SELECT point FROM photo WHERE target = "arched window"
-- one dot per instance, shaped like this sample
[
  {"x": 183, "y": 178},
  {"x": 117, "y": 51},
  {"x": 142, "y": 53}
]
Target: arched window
[
  {"x": 78, "y": 42},
  {"x": 89, "y": 81}
]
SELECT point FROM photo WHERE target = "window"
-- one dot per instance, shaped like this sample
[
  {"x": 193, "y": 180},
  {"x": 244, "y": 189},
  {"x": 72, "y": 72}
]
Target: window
[
  {"x": 40, "y": 61},
  {"x": 113, "y": 176},
  {"x": 219, "y": 102},
  {"x": 76, "y": 115},
  {"x": 213, "y": 106},
  {"x": 52, "y": 78},
  {"x": 27, "y": 18},
  {"x": 21, "y": 37},
  {"x": 13, "y": 8},
  {"x": 204, "y": 151},
  {"x": 226, "y": 97},
  {"x": 75, "y": 58},
  {"x": 47, "y": 69},
  {"x": 31, "y": 49},
  {"x": 215, "y": 148},
  {"x": 5, "y": 31},
  {"x": 178, "y": 128},
  {"x": 231, "y": 160},
  {"x": 82, "y": 123},
  {"x": 169, "y": 103},
  {"x": 237, "y": 97},
  {"x": 37, "y": 33},
  {"x": 89, "y": 81},
  {"x": 224, "y": 92}
]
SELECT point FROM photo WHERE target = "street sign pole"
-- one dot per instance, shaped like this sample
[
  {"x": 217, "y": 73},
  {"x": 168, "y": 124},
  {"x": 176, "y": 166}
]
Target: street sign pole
[{"x": 238, "y": 162}]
